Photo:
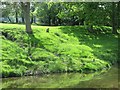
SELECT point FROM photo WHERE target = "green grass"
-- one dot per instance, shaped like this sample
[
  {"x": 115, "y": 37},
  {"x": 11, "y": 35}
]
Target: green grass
[{"x": 63, "y": 49}]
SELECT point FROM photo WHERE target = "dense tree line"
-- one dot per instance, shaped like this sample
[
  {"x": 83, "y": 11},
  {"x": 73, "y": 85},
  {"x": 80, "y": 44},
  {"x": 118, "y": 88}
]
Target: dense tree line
[{"x": 64, "y": 13}]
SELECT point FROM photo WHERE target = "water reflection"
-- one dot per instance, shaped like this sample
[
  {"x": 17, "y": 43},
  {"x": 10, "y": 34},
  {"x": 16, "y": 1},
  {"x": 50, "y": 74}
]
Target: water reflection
[{"x": 66, "y": 80}]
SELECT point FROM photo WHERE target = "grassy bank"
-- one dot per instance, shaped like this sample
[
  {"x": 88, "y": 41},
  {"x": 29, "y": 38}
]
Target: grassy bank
[{"x": 63, "y": 49}]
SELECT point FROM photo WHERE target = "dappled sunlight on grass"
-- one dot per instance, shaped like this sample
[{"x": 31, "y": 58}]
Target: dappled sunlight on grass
[
  {"x": 62, "y": 49},
  {"x": 97, "y": 46},
  {"x": 100, "y": 43}
]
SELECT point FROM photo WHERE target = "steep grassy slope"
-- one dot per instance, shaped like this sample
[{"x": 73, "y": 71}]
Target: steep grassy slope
[{"x": 63, "y": 49}]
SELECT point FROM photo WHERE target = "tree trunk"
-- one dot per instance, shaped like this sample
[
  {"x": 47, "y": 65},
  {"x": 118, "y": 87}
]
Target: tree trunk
[
  {"x": 22, "y": 16},
  {"x": 114, "y": 29},
  {"x": 49, "y": 17},
  {"x": 23, "y": 20},
  {"x": 26, "y": 9},
  {"x": 16, "y": 16},
  {"x": 49, "y": 20},
  {"x": 53, "y": 21},
  {"x": 59, "y": 21},
  {"x": 73, "y": 21},
  {"x": 32, "y": 19},
  {"x": 9, "y": 19},
  {"x": 118, "y": 14}
]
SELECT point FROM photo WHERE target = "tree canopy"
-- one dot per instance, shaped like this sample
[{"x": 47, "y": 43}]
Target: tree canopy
[{"x": 64, "y": 13}]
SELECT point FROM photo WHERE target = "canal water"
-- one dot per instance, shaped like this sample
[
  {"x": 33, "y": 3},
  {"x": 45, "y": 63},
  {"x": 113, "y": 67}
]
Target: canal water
[{"x": 107, "y": 79}]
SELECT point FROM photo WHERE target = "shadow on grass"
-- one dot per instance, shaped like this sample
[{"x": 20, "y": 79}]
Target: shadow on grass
[
  {"x": 104, "y": 45},
  {"x": 33, "y": 43}
]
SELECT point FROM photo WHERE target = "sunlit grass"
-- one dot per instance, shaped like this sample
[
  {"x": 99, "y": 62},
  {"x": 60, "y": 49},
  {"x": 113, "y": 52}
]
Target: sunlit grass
[{"x": 63, "y": 49}]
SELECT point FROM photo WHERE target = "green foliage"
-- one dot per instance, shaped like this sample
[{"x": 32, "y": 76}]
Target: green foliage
[
  {"x": 63, "y": 49},
  {"x": 11, "y": 50},
  {"x": 93, "y": 64},
  {"x": 42, "y": 54}
]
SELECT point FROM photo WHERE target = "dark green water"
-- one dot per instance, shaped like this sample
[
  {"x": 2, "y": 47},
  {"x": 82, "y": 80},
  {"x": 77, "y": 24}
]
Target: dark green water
[{"x": 107, "y": 79}]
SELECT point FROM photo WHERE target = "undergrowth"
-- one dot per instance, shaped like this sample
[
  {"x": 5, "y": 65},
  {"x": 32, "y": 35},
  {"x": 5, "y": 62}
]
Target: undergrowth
[{"x": 63, "y": 49}]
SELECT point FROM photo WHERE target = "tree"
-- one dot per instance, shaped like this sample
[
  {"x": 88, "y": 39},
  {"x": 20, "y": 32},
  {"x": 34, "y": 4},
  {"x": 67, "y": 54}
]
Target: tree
[
  {"x": 6, "y": 10},
  {"x": 12, "y": 11},
  {"x": 26, "y": 10},
  {"x": 33, "y": 12},
  {"x": 92, "y": 15},
  {"x": 114, "y": 23},
  {"x": 16, "y": 10},
  {"x": 22, "y": 16},
  {"x": 44, "y": 13},
  {"x": 48, "y": 13},
  {"x": 118, "y": 15}
]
